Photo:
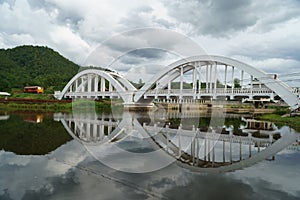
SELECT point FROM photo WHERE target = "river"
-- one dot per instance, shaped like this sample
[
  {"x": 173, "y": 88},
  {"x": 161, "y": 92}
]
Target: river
[{"x": 146, "y": 156}]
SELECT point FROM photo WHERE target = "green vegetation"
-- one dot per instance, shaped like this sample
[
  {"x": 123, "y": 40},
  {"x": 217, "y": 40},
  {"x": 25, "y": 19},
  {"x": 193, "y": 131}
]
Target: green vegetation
[
  {"x": 176, "y": 85},
  {"x": 103, "y": 106},
  {"x": 34, "y": 65},
  {"x": 236, "y": 83},
  {"x": 293, "y": 122},
  {"x": 45, "y": 107},
  {"x": 32, "y": 96},
  {"x": 25, "y": 138}
]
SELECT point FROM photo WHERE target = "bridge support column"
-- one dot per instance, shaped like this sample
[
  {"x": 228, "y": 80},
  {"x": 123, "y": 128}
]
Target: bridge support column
[
  {"x": 98, "y": 134},
  {"x": 181, "y": 82},
  {"x": 156, "y": 90},
  {"x": 208, "y": 149},
  {"x": 225, "y": 80},
  {"x": 75, "y": 127},
  {"x": 71, "y": 88},
  {"x": 197, "y": 146},
  {"x": 82, "y": 84},
  {"x": 230, "y": 144},
  {"x": 210, "y": 79},
  {"x": 194, "y": 82},
  {"x": 205, "y": 156},
  {"x": 206, "y": 78},
  {"x": 89, "y": 83},
  {"x": 110, "y": 88},
  {"x": 213, "y": 156},
  {"x": 169, "y": 89},
  {"x": 199, "y": 81},
  {"x": 250, "y": 150},
  {"x": 240, "y": 149},
  {"x": 96, "y": 80},
  {"x": 232, "y": 86},
  {"x": 88, "y": 131},
  {"x": 102, "y": 86},
  {"x": 249, "y": 137},
  {"x": 76, "y": 85},
  {"x": 224, "y": 158},
  {"x": 179, "y": 141},
  {"x": 109, "y": 129},
  {"x": 242, "y": 79},
  {"x": 272, "y": 96},
  {"x": 95, "y": 130},
  {"x": 215, "y": 83},
  {"x": 251, "y": 87},
  {"x": 102, "y": 130}
]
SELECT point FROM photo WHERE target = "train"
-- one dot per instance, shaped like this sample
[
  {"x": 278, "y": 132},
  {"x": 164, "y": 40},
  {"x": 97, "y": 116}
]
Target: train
[{"x": 33, "y": 89}]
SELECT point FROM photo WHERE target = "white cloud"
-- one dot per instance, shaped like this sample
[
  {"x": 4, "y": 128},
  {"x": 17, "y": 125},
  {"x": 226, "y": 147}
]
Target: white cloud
[
  {"x": 33, "y": 172},
  {"x": 258, "y": 31},
  {"x": 23, "y": 25}
]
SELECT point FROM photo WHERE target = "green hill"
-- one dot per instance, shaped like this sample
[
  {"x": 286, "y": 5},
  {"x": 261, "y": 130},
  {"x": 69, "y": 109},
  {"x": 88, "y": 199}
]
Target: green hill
[{"x": 34, "y": 65}]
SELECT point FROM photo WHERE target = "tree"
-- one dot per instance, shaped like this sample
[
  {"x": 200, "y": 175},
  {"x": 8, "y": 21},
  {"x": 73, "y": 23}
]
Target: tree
[
  {"x": 34, "y": 65},
  {"x": 236, "y": 83}
]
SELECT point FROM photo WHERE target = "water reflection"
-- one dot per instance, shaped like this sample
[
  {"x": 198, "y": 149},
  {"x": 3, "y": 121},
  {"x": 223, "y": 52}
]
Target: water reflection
[
  {"x": 145, "y": 137},
  {"x": 34, "y": 118},
  {"x": 4, "y": 116},
  {"x": 24, "y": 133},
  {"x": 67, "y": 170}
]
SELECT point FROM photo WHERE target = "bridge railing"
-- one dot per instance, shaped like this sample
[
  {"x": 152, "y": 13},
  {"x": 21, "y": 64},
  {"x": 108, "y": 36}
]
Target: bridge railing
[
  {"x": 92, "y": 94},
  {"x": 210, "y": 91}
]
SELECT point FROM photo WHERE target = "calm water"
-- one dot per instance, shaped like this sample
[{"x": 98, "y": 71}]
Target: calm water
[{"x": 94, "y": 156}]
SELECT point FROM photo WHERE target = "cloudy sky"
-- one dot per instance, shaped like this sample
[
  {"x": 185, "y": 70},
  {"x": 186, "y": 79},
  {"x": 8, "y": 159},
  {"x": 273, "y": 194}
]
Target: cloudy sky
[{"x": 264, "y": 34}]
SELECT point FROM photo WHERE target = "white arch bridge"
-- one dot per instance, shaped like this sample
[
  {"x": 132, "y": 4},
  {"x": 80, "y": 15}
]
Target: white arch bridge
[{"x": 209, "y": 77}]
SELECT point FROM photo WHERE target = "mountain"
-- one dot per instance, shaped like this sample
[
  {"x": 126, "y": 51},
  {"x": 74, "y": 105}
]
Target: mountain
[{"x": 34, "y": 65}]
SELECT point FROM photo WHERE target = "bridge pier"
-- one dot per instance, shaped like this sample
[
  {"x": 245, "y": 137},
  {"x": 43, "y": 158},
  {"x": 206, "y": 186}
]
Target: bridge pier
[{"x": 138, "y": 106}]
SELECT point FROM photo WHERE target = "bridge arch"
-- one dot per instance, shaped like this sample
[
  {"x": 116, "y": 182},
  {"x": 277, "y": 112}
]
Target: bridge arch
[
  {"x": 178, "y": 68},
  {"x": 86, "y": 83}
]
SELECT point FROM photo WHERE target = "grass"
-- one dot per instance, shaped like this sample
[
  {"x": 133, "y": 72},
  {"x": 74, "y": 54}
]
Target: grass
[
  {"x": 103, "y": 106},
  {"x": 37, "y": 107},
  {"x": 293, "y": 122},
  {"x": 32, "y": 96}
]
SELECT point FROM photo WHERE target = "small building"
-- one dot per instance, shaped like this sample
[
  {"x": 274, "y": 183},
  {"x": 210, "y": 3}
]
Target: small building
[
  {"x": 33, "y": 89},
  {"x": 4, "y": 94}
]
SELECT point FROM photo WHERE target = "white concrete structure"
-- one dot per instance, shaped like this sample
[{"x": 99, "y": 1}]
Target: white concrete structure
[
  {"x": 4, "y": 94},
  {"x": 217, "y": 73},
  {"x": 93, "y": 83}
]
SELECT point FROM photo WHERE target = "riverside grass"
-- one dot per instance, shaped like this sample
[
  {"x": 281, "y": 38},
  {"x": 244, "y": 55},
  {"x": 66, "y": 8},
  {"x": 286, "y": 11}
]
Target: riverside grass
[{"x": 80, "y": 105}]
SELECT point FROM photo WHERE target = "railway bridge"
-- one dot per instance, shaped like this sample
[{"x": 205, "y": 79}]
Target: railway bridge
[{"x": 209, "y": 77}]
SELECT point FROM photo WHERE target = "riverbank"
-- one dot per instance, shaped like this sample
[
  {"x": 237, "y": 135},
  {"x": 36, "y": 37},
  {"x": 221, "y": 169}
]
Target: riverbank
[
  {"x": 231, "y": 108},
  {"x": 292, "y": 121},
  {"x": 48, "y": 105}
]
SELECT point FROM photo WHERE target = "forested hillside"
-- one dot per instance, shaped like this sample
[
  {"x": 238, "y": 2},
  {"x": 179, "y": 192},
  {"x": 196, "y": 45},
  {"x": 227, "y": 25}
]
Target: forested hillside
[{"x": 34, "y": 65}]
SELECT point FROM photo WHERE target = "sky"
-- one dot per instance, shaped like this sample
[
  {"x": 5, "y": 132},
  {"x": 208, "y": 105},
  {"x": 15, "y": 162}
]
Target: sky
[{"x": 264, "y": 34}]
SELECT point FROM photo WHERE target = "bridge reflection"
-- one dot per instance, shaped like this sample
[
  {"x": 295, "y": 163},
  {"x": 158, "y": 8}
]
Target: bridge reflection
[{"x": 218, "y": 149}]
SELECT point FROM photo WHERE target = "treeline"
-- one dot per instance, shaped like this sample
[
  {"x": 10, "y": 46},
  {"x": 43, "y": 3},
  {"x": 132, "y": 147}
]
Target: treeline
[
  {"x": 34, "y": 65},
  {"x": 42, "y": 66}
]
